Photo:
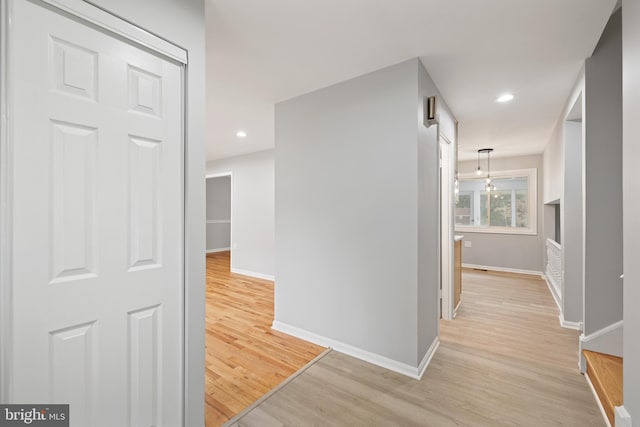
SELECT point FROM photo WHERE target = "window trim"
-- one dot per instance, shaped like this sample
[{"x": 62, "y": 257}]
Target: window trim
[{"x": 532, "y": 181}]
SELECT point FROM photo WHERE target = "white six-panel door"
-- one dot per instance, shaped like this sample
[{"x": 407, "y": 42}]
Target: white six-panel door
[{"x": 97, "y": 220}]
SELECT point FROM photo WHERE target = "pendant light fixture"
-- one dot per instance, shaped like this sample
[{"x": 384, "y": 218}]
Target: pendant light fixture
[{"x": 489, "y": 187}]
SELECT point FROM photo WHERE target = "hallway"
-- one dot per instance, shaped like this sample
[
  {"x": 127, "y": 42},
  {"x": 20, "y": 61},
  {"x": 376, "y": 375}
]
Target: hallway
[{"x": 503, "y": 361}]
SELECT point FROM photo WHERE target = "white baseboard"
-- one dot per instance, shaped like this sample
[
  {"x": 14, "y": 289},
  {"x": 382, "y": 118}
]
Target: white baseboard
[
  {"x": 595, "y": 395},
  {"x": 503, "y": 269},
  {"x": 422, "y": 367},
  {"x": 376, "y": 359},
  {"x": 623, "y": 418},
  {"x": 568, "y": 323},
  {"x": 253, "y": 274},
  {"x": 556, "y": 298},
  {"x": 210, "y": 251}
]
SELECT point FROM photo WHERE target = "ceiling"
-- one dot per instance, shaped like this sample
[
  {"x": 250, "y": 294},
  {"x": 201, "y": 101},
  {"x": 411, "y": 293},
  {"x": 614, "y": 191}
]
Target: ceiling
[{"x": 261, "y": 52}]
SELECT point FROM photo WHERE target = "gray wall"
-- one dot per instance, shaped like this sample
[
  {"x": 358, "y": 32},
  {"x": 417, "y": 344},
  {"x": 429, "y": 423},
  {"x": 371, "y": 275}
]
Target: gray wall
[
  {"x": 553, "y": 166},
  {"x": 553, "y": 157},
  {"x": 347, "y": 170},
  {"x": 182, "y": 22},
  {"x": 219, "y": 198},
  {"x": 572, "y": 225},
  {"x": 603, "y": 181},
  {"x": 631, "y": 148},
  {"x": 218, "y": 209},
  {"x": 513, "y": 251},
  {"x": 253, "y": 210}
]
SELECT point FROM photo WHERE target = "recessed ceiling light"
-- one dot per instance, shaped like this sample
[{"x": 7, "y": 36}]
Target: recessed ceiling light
[
  {"x": 241, "y": 134},
  {"x": 506, "y": 97}
]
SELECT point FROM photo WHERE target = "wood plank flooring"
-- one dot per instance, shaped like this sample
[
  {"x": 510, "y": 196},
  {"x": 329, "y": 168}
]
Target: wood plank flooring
[
  {"x": 605, "y": 372},
  {"x": 244, "y": 358},
  {"x": 503, "y": 361}
]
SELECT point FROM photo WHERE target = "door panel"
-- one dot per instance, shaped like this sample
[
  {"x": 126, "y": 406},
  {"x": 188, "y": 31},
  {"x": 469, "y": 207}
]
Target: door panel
[{"x": 97, "y": 223}]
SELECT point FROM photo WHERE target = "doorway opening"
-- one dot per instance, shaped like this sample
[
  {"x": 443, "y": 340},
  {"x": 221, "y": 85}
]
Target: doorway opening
[
  {"x": 218, "y": 190},
  {"x": 244, "y": 357}
]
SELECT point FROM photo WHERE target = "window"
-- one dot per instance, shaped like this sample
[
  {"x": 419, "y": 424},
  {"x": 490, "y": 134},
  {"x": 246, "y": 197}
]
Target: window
[{"x": 510, "y": 208}]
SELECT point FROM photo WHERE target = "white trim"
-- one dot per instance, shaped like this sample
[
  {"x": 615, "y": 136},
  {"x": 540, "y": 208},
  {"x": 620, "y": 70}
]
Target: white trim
[
  {"x": 211, "y": 251},
  {"x": 532, "y": 181},
  {"x": 504, "y": 269},
  {"x": 218, "y": 174},
  {"x": 367, "y": 356},
  {"x": 623, "y": 418},
  {"x": 608, "y": 340},
  {"x": 95, "y": 15},
  {"x": 568, "y": 323},
  {"x": 601, "y": 332},
  {"x": 554, "y": 243},
  {"x": 552, "y": 290},
  {"x": 447, "y": 221},
  {"x": 428, "y": 356},
  {"x": 495, "y": 230},
  {"x": 553, "y": 270},
  {"x": 253, "y": 274},
  {"x": 218, "y": 221},
  {"x": 597, "y": 398}
]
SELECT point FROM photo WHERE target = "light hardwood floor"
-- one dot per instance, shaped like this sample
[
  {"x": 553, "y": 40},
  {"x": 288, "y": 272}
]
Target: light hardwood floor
[
  {"x": 503, "y": 361},
  {"x": 244, "y": 358},
  {"x": 606, "y": 372}
]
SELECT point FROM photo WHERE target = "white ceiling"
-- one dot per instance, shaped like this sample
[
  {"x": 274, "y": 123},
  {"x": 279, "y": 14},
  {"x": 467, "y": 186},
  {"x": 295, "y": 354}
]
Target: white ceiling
[{"x": 261, "y": 52}]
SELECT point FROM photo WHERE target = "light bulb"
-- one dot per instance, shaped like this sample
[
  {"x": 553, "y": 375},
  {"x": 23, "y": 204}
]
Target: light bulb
[
  {"x": 488, "y": 180},
  {"x": 478, "y": 171},
  {"x": 506, "y": 97}
]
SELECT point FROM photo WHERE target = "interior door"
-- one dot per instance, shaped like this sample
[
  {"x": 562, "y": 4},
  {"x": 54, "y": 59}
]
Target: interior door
[{"x": 97, "y": 213}]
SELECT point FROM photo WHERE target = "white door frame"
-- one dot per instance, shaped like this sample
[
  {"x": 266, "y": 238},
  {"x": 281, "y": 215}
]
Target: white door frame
[
  {"x": 446, "y": 226},
  {"x": 85, "y": 12}
]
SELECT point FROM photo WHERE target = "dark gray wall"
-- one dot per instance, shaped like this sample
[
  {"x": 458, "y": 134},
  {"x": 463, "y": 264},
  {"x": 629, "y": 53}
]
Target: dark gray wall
[
  {"x": 218, "y": 209},
  {"x": 603, "y": 180},
  {"x": 572, "y": 225},
  {"x": 631, "y": 149},
  {"x": 513, "y": 251}
]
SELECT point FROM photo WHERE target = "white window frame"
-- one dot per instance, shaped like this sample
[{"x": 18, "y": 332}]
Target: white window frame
[{"x": 532, "y": 203}]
